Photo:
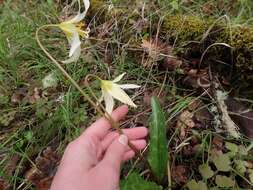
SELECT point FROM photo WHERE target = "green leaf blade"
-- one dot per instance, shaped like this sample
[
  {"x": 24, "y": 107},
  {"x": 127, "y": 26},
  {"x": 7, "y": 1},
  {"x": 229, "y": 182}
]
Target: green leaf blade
[
  {"x": 158, "y": 153},
  {"x": 222, "y": 162},
  {"x": 206, "y": 171},
  {"x": 193, "y": 185},
  {"x": 224, "y": 181},
  {"x": 135, "y": 181}
]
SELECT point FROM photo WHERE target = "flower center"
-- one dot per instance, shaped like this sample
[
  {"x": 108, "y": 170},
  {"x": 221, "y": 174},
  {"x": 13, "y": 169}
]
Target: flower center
[
  {"x": 70, "y": 28},
  {"x": 106, "y": 85}
]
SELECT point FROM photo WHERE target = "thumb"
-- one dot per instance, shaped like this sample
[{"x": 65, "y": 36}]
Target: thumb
[{"x": 115, "y": 152}]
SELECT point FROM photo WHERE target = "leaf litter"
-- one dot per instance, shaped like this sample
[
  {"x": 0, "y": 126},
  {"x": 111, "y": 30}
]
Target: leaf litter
[{"x": 206, "y": 154}]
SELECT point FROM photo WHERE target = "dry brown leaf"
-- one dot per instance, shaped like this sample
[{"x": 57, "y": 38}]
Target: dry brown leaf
[
  {"x": 194, "y": 105},
  {"x": 190, "y": 150},
  {"x": 18, "y": 95},
  {"x": 197, "y": 79},
  {"x": 155, "y": 48},
  {"x": 201, "y": 113},
  {"x": 35, "y": 96},
  {"x": 171, "y": 63},
  {"x": 11, "y": 165},
  {"x": 185, "y": 121},
  {"x": 241, "y": 115},
  {"x": 4, "y": 185},
  {"x": 161, "y": 95},
  {"x": 41, "y": 176},
  {"x": 227, "y": 123},
  {"x": 140, "y": 24},
  {"x": 187, "y": 2},
  {"x": 158, "y": 51},
  {"x": 217, "y": 143},
  {"x": 151, "y": 48},
  {"x": 208, "y": 8},
  {"x": 180, "y": 174}
]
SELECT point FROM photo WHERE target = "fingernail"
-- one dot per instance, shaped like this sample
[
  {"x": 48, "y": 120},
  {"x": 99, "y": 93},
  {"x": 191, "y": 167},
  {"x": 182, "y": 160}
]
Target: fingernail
[{"x": 123, "y": 140}]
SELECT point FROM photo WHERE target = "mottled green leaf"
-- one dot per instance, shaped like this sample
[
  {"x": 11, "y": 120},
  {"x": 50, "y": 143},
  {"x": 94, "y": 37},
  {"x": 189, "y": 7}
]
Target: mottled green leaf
[
  {"x": 222, "y": 162},
  {"x": 240, "y": 166},
  {"x": 50, "y": 80},
  {"x": 193, "y": 185},
  {"x": 136, "y": 182},
  {"x": 233, "y": 148},
  {"x": 250, "y": 175},
  {"x": 224, "y": 181},
  {"x": 158, "y": 153},
  {"x": 206, "y": 171},
  {"x": 242, "y": 150}
]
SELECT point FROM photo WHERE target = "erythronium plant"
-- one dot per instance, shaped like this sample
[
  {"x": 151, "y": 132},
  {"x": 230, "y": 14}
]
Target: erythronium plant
[
  {"x": 110, "y": 90},
  {"x": 71, "y": 29}
]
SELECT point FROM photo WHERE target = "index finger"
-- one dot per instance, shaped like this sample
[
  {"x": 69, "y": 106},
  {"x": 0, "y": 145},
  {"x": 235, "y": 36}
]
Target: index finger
[{"x": 100, "y": 127}]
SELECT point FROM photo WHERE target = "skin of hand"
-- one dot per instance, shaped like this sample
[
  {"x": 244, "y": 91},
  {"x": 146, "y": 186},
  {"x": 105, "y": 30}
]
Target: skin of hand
[{"x": 93, "y": 160}]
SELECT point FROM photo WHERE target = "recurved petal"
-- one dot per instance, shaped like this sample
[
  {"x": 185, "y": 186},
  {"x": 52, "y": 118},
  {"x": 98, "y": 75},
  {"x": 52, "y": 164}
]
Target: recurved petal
[
  {"x": 118, "y": 78},
  {"x": 79, "y": 17},
  {"x": 86, "y": 5},
  {"x": 116, "y": 92},
  {"x": 74, "y": 57},
  {"x": 129, "y": 86},
  {"x": 74, "y": 43},
  {"x": 109, "y": 102}
]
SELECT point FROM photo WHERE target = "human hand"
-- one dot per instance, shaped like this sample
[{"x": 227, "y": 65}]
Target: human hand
[{"x": 92, "y": 161}]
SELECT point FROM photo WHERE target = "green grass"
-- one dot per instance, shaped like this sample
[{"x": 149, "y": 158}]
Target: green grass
[{"x": 33, "y": 126}]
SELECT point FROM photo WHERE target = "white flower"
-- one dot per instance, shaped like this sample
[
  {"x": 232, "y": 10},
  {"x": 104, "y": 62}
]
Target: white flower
[
  {"x": 110, "y": 90},
  {"x": 73, "y": 29}
]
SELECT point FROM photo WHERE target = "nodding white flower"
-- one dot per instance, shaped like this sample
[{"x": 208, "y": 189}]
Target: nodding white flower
[
  {"x": 110, "y": 90},
  {"x": 73, "y": 29}
]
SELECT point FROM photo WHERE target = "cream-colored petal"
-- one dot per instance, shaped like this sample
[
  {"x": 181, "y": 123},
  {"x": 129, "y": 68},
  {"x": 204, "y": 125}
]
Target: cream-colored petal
[
  {"x": 109, "y": 102},
  {"x": 74, "y": 57},
  {"x": 129, "y": 86},
  {"x": 75, "y": 43},
  {"x": 116, "y": 92},
  {"x": 79, "y": 4},
  {"x": 86, "y": 5},
  {"x": 79, "y": 17},
  {"x": 118, "y": 78}
]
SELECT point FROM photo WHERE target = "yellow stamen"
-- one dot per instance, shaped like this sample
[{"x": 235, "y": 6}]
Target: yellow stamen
[{"x": 106, "y": 85}]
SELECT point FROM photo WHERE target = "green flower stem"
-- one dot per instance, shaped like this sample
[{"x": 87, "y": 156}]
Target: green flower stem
[{"x": 114, "y": 124}]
